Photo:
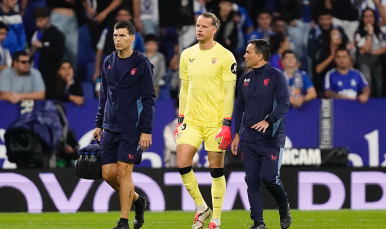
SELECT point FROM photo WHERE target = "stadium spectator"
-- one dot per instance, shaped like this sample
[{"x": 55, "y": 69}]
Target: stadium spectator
[
  {"x": 47, "y": 48},
  {"x": 245, "y": 20},
  {"x": 27, "y": 9},
  {"x": 297, "y": 14},
  {"x": 146, "y": 16},
  {"x": 189, "y": 35},
  {"x": 157, "y": 59},
  {"x": 279, "y": 44},
  {"x": 280, "y": 26},
  {"x": 5, "y": 56},
  {"x": 379, "y": 7},
  {"x": 345, "y": 14},
  {"x": 371, "y": 45},
  {"x": 16, "y": 39},
  {"x": 67, "y": 88},
  {"x": 322, "y": 42},
  {"x": 343, "y": 82},
  {"x": 106, "y": 46},
  {"x": 101, "y": 14},
  {"x": 227, "y": 34},
  {"x": 64, "y": 18},
  {"x": 264, "y": 30},
  {"x": 170, "y": 150},
  {"x": 21, "y": 82},
  {"x": 300, "y": 85}
]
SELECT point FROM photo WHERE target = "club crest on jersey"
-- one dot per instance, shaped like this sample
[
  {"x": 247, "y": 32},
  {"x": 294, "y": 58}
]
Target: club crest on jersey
[
  {"x": 266, "y": 81},
  {"x": 133, "y": 71},
  {"x": 214, "y": 60},
  {"x": 246, "y": 82}
]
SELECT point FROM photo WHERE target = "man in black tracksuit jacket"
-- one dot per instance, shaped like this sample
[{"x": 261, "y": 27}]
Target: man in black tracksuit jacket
[
  {"x": 263, "y": 100},
  {"x": 125, "y": 113}
]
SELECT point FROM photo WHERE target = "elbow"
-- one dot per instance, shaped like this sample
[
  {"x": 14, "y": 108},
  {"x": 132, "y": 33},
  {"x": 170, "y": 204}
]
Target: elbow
[{"x": 41, "y": 96}]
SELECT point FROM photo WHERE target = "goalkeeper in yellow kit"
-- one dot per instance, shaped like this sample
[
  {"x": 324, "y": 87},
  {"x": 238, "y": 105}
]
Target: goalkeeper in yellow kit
[{"x": 208, "y": 78}]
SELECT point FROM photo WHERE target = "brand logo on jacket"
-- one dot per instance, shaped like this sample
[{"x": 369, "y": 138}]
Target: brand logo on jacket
[
  {"x": 266, "y": 81},
  {"x": 131, "y": 156},
  {"x": 109, "y": 67},
  {"x": 273, "y": 158},
  {"x": 133, "y": 71},
  {"x": 246, "y": 82}
]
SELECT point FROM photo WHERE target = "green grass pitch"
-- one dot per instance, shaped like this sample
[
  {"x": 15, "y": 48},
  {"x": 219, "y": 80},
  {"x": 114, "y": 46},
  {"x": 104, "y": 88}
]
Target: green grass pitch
[{"x": 177, "y": 219}]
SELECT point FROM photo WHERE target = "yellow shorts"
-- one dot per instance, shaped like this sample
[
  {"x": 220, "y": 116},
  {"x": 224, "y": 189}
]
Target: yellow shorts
[{"x": 194, "y": 136}]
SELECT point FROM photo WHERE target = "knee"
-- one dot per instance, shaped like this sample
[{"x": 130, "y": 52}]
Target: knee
[
  {"x": 269, "y": 181},
  {"x": 252, "y": 183}
]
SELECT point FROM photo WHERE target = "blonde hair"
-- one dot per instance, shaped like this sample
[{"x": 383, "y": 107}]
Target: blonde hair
[{"x": 215, "y": 20}]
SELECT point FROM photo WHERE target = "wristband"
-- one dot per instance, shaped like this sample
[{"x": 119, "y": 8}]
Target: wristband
[
  {"x": 226, "y": 122},
  {"x": 180, "y": 119}
]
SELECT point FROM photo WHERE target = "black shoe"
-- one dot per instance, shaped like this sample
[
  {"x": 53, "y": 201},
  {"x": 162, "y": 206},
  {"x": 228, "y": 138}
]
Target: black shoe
[
  {"x": 121, "y": 226},
  {"x": 258, "y": 226},
  {"x": 285, "y": 217},
  {"x": 140, "y": 212}
]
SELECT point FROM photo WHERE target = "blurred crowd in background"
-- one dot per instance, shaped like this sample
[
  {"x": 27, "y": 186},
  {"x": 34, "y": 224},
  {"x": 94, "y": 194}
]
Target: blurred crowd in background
[{"x": 54, "y": 49}]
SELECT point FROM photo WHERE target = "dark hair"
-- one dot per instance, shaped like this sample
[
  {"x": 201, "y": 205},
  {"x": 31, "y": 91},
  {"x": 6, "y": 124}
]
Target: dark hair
[
  {"x": 3, "y": 26},
  {"x": 264, "y": 11},
  {"x": 151, "y": 37},
  {"x": 16, "y": 55},
  {"x": 289, "y": 51},
  {"x": 263, "y": 47},
  {"x": 275, "y": 41},
  {"x": 340, "y": 49},
  {"x": 362, "y": 27},
  {"x": 215, "y": 21},
  {"x": 125, "y": 25},
  {"x": 123, "y": 7},
  {"x": 41, "y": 12},
  {"x": 60, "y": 84},
  {"x": 324, "y": 11},
  {"x": 277, "y": 18}
]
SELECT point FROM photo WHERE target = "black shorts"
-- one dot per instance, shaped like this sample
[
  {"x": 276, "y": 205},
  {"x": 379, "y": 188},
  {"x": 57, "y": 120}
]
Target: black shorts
[{"x": 120, "y": 147}]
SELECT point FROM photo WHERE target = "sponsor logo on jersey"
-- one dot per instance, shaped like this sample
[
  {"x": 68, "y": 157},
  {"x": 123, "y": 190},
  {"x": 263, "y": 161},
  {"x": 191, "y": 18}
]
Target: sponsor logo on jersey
[{"x": 234, "y": 68}]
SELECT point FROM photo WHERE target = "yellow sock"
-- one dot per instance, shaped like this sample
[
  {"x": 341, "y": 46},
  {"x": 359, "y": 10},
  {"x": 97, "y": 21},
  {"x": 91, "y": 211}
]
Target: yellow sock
[
  {"x": 191, "y": 185},
  {"x": 218, "y": 193}
]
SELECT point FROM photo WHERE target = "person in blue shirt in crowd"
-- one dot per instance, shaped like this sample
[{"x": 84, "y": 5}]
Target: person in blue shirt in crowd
[
  {"x": 300, "y": 85},
  {"x": 16, "y": 39},
  {"x": 279, "y": 44},
  {"x": 5, "y": 55},
  {"x": 344, "y": 82},
  {"x": 264, "y": 30},
  {"x": 126, "y": 114}
]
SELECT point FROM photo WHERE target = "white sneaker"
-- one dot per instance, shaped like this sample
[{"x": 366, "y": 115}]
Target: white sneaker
[{"x": 200, "y": 218}]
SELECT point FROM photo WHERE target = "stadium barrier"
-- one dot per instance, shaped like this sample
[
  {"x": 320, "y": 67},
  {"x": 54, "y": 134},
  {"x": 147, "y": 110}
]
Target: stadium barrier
[
  {"x": 317, "y": 124},
  {"x": 60, "y": 190}
]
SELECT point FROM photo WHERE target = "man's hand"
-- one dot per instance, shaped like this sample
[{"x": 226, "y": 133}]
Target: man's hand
[
  {"x": 145, "y": 141},
  {"x": 297, "y": 101},
  {"x": 68, "y": 149},
  {"x": 177, "y": 131},
  {"x": 14, "y": 98},
  {"x": 37, "y": 44},
  {"x": 235, "y": 144},
  {"x": 363, "y": 98},
  {"x": 225, "y": 134},
  {"x": 96, "y": 76},
  {"x": 97, "y": 134},
  {"x": 261, "y": 126}
]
